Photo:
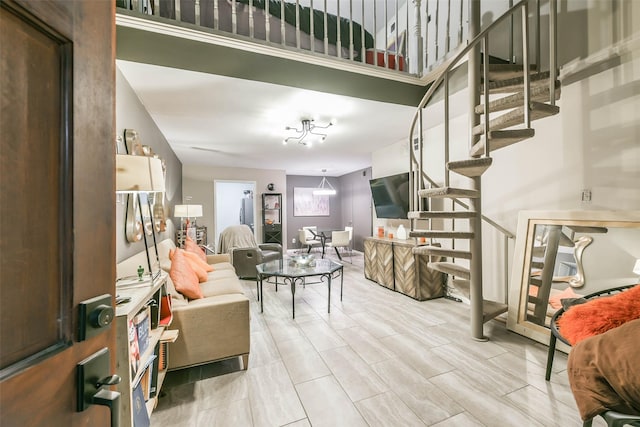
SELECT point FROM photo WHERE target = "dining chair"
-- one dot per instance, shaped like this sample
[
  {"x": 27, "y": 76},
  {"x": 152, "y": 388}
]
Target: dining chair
[
  {"x": 307, "y": 238},
  {"x": 340, "y": 239},
  {"x": 350, "y": 230}
]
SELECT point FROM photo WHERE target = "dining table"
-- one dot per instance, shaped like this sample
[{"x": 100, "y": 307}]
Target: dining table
[{"x": 324, "y": 235}]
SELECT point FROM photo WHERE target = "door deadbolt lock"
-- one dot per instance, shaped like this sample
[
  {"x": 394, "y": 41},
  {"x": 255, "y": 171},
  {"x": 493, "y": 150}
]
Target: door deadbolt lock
[
  {"x": 96, "y": 314},
  {"x": 101, "y": 316}
]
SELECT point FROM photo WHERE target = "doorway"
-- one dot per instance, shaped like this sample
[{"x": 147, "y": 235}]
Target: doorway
[{"x": 234, "y": 204}]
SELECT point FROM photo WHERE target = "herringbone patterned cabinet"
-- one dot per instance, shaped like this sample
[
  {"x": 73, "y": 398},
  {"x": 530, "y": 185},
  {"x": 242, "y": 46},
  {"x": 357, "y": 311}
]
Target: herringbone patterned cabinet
[
  {"x": 404, "y": 272},
  {"x": 392, "y": 263},
  {"x": 378, "y": 261},
  {"x": 370, "y": 266}
]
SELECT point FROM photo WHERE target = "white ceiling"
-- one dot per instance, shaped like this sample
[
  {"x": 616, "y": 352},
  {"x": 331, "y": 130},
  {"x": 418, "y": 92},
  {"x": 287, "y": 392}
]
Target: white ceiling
[{"x": 221, "y": 121}]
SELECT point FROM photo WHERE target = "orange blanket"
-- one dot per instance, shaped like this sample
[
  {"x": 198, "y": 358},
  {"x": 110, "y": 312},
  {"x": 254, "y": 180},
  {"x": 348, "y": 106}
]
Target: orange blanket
[{"x": 604, "y": 372}]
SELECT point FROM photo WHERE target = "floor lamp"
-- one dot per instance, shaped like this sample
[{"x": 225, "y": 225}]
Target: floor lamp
[{"x": 135, "y": 175}]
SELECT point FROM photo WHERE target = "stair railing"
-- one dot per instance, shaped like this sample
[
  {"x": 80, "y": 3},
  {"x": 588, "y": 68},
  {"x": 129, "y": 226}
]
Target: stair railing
[
  {"x": 415, "y": 36},
  {"x": 416, "y": 166},
  {"x": 415, "y": 203}
]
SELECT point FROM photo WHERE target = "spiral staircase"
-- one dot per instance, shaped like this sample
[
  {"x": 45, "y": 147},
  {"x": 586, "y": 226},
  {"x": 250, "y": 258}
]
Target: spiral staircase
[{"x": 504, "y": 99}]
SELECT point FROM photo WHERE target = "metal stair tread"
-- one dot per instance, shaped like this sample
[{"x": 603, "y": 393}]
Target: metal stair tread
[
  {"x": 470, "y": 167},
  {"x": 516, "y": 83},
  {"x": 502, "y": 138},
  {"x": 440, "y": 214},
  {"x": 491, "y": 309},
  {"x": 514, "y": 117},
  {"x": 538, "y": 93},
  {"x": 439, "y": 234},
  {"x": 448, "y": 192},
  {"x": 445, "y": 252},
  {"x": 507, "y": 71},
  {"x": 450, "y": 268}
]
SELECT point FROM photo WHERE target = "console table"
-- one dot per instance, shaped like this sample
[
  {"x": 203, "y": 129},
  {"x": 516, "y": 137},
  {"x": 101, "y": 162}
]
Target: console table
[{"x": 391, "y": 263}]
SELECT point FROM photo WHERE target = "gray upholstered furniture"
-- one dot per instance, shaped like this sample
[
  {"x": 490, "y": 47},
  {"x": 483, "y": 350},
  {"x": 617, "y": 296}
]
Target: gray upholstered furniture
[
  {"x": 212, "y": 328},
  {"x": 239, "y": 242}
]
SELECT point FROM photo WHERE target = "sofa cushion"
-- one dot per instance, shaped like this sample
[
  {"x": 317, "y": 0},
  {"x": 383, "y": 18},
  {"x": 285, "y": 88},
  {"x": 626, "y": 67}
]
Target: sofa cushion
[
  {"x": 177, "y": 298},
  {"x": 195, "y": 259},
  {"x": 191, "y": 246},
  {"x": 184, "y": 278},
  {"x": 221, "y": 275},
  {"x": 224, "y": 266},
  {"x": 221, "y": 286}
]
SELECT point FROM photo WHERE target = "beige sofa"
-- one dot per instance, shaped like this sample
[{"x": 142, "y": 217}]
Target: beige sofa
[{"x": 213, "y": 328}]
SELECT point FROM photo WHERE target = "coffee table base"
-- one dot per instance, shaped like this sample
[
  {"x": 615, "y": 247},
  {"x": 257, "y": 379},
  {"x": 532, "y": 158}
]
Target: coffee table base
[{"x": 292, "y": 282}]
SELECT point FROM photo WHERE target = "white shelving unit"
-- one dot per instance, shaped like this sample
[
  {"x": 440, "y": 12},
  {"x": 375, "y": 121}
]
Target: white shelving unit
[{"x": 145, "y": 294}]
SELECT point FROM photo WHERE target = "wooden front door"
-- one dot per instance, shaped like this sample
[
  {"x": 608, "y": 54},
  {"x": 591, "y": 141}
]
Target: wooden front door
[{"x": 57, "y": 202}]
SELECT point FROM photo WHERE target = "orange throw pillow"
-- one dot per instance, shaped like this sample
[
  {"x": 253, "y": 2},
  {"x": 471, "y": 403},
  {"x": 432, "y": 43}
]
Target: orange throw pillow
[
  {"x": 184, "y": 278},
  {"x": 195, "y": 259},
  {"x": 599, "y": 315},
  {"x": 190, "y": 246}
]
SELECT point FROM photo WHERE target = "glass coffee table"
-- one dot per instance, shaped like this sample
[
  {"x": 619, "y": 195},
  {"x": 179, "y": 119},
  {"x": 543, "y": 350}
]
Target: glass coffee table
[{"x": 297, "y": 269}]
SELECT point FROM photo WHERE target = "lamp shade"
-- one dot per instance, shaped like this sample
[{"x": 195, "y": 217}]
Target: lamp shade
[
  {"x": 187, "y": 211},
  {"x": 636, "y": 267},
  {"x": 138, "y": 174}
]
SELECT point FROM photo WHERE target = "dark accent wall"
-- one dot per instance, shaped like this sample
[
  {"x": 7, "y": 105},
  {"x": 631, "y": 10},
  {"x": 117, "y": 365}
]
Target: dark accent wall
[
  {"x": 131, "y": 114},
  {"x": 351, "y": 206},
  {"x": 355, "y": 195},
  {"x": 294, "y": 223}
]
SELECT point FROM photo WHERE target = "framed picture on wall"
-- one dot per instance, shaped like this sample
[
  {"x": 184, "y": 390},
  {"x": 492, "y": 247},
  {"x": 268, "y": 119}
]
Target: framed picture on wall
[{"x": 305, "y": 203}]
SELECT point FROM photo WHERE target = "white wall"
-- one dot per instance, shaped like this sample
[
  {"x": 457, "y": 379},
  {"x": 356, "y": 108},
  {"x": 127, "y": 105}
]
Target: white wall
[{"x": 197, "y": 182}]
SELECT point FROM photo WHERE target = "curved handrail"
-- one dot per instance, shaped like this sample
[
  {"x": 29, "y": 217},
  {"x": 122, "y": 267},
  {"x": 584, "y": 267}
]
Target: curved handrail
[
  {"x": 437, "y": 82},
  {"x": 454, "y": 59}
]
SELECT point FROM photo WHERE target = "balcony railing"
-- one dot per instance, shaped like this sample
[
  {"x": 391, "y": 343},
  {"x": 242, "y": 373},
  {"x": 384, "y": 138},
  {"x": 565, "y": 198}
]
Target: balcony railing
[{"x": 405, "y": 36}]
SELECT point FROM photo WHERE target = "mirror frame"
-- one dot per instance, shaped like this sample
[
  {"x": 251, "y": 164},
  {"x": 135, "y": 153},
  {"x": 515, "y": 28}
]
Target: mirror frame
[{"x": 518, "y": 289}]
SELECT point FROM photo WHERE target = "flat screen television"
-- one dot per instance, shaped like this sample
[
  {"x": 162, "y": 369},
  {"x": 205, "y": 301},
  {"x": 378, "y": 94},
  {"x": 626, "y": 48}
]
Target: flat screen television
[{"x": 391, "y": 196}]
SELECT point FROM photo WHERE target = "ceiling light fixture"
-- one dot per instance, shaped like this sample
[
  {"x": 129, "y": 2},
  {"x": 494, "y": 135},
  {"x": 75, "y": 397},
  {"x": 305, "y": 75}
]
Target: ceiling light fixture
[
  {"x": 325, "y": 188},
  {"x": 307, "y": 129}
]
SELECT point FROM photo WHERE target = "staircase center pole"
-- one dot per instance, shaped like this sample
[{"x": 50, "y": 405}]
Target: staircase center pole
[{"x": 475, "y": 287}]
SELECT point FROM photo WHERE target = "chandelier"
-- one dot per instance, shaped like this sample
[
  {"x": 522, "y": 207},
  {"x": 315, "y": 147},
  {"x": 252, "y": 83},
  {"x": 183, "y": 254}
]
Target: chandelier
[
  {"x": 306, "y": 131},
  {"x": 325, "y": 188}
]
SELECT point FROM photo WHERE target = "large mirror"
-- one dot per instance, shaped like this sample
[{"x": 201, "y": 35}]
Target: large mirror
[{"x": 568, "y": 254}]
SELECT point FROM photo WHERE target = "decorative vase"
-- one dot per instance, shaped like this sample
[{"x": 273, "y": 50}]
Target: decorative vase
[{"x": 401, "y": 233}]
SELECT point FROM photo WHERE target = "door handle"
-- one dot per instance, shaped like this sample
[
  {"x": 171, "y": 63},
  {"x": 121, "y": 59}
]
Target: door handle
[
  {"x": 92, "y": 376},
  {"x": 111, "y": 399}
]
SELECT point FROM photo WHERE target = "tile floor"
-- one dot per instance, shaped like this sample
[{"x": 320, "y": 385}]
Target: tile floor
[{"x": 379, "y": 359}]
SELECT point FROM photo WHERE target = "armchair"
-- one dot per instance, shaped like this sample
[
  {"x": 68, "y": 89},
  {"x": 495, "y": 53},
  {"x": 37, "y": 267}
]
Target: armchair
[{"x": 240, "y": 243}]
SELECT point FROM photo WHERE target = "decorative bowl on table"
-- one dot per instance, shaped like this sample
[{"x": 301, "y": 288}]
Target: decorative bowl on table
[{"x": 303, "y": 261}]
